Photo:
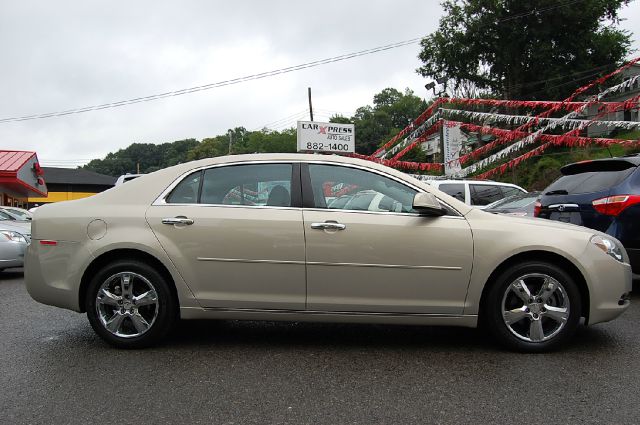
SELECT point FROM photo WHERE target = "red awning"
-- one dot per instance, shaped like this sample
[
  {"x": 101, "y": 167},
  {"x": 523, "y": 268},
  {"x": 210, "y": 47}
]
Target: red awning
[{"x": 20, "y": 173}]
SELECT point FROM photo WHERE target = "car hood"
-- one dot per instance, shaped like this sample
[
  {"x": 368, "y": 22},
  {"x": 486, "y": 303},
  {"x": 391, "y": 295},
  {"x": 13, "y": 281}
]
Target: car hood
[{"x": 509, "y": 220}]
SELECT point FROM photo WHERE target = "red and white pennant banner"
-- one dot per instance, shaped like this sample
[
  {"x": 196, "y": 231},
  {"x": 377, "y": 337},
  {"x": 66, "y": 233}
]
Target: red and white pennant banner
[
  {"x": 488, "y": 117},
  {"x": 417, "y": 133}
]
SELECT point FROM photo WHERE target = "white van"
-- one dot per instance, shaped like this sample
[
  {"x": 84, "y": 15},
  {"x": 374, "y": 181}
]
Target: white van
[
  {"x": 477, "y": 193},
  {"x": 127, "y": 177}
]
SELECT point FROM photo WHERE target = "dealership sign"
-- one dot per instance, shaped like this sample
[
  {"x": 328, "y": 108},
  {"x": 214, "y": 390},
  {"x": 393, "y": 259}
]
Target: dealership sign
[
  {"x": 316, "y": 136},
  {"x": 452, "y": 144}
]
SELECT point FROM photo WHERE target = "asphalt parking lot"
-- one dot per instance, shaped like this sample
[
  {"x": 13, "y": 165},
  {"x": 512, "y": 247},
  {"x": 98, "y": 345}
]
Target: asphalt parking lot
[{"x": 53, "y": 369}]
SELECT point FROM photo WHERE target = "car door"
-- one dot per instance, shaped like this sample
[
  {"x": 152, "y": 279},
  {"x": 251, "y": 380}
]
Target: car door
[
  {"x": 384, "y": 256},
  {"x": 235, "y": 234}
]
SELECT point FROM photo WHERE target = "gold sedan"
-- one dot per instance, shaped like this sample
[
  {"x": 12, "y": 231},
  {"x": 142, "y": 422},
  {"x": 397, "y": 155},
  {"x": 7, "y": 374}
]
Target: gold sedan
[{"x": 316, "y": 238}]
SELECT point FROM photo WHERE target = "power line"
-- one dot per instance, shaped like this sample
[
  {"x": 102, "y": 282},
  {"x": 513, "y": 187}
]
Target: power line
[
  {"x": 215, "y": 85},
  {"x": 565, "y": 83},
  {"x": 276, "y": 122},
  {"x": 591, "y": 71},
  {"x": 541, "y": 10}
]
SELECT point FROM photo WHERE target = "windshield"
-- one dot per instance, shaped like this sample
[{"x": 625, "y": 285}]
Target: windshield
[
  {"x": 4, "y": 215},
  {"x": 17, "y": 214}
]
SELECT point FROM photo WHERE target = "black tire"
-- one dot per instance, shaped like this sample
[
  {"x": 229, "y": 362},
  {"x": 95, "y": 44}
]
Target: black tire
[
  {"x": 548, "y": 318},
  {"x": 160, "y": 316}
]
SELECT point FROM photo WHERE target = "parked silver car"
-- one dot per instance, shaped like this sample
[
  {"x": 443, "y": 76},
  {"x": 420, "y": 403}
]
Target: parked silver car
[
  {"x": 19, "y": 213},
  {"x": 14, "y": 239},
  {"x": 251, "y": 237}
]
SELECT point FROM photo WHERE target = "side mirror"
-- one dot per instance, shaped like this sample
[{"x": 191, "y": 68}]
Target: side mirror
[{"x": 427, "y": 204}]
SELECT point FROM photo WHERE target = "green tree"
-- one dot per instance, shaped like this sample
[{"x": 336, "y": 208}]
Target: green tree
[
  {"x": 524, "y": 49},
  {"x": 148, "y": 157},
  {"x": 392, "y": 111}
]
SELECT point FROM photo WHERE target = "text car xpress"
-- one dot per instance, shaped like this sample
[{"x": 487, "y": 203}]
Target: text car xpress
[{"x": 325, "y": 137}]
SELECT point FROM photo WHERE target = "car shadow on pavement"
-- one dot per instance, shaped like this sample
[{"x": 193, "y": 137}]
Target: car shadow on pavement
[
  {"x": 11, "y": 274},
  {"x": 305, "y": 334},
  {"x": 333, "y": 336}
]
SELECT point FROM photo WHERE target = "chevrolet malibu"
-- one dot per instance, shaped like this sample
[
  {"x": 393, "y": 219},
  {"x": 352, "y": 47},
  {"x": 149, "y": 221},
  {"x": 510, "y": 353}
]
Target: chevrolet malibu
[{"x": 257, "y": 237}]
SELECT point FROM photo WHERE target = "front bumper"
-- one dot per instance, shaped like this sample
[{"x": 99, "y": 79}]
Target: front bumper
[
  {"x": 609, "y": 282},
  {"x": 12, "y": 254}
]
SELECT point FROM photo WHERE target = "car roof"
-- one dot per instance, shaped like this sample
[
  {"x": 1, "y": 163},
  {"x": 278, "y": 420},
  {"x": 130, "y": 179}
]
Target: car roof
[{"x": 606, "y": 164}]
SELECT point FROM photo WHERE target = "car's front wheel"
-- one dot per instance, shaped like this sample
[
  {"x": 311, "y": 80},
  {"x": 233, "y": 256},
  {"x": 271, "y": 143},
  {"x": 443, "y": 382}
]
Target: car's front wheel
[
  {"x": 130, "y": 305},
  {"x": 533, "y": 307}
]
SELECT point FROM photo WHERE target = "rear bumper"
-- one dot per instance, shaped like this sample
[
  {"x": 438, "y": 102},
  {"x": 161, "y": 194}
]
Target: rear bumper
[{"x": 52, "y": 274}]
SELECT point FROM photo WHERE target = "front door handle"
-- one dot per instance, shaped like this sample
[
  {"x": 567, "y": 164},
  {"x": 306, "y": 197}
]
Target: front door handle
[
  {"x": 178, "y": 220},
  {"x": 329, "y": 225}
]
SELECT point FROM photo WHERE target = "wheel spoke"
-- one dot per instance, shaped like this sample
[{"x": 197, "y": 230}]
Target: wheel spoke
[
  {"x": 139, "y": 322},
  {"x": 108, "y": 298},
  {"x": 547, "y": 289},
  {"x": 559, "y": 314},
  {"x": 536, "y": 333},
  {"x": 115, "y": 322},
  {"x": 148, "y": 298},
  {"x": 521, "y": 290},
  {"x": 126, "y": 282},
  {"x": 515, "y": 315}
]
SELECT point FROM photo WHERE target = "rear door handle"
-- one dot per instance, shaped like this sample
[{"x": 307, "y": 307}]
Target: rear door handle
[
  {"x": 178, "y": 220},
  {"x": 329, "y": 225}
]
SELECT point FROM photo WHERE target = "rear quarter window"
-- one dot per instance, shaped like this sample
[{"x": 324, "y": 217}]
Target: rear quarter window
[
  {"x": 484, "y": 194},
  {"x": 453, "y": 189}
]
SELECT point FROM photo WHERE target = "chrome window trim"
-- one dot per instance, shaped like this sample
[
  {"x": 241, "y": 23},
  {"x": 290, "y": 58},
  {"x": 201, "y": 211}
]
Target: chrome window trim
[
  {"x": 161, "y": 199},
  {"x": 196, "y": 205},
  {"x": 455, "y": 217}
]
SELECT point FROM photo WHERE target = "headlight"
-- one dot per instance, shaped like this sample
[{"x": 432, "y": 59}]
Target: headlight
[
  {"x": 608, "y": 246},
  {"x": 13, "y": 236}
]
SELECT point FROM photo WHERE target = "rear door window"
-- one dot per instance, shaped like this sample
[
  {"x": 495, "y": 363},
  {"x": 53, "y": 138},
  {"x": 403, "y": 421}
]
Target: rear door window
[{"x": 595, "y": 181}]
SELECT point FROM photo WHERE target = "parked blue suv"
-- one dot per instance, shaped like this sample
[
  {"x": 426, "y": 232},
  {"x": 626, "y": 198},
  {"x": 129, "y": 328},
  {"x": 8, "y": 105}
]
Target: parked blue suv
[{"x": 602, "y": 194}]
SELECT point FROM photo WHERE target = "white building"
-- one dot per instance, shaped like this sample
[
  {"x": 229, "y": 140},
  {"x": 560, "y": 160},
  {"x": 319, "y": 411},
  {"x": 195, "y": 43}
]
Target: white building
[{"x": 627, "y": 115}]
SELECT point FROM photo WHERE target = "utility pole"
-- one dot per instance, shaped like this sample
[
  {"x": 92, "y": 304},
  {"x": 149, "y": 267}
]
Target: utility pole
[
  {"x": 310, "y": 105},
  {"x": 137, "y": 167},
  {"x": 230, "y": 140}
]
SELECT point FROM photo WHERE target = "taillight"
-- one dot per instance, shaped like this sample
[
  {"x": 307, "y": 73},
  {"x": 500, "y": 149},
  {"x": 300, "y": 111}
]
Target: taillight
[
  {"x": 614, "y": 205},
  {"x": 536, "y": 209}
]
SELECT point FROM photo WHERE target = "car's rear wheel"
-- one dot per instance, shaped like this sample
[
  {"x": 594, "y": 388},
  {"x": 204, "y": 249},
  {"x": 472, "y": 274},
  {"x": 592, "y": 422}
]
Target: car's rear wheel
[
  {"x": 533, "y": 307},
  {"x": 130, "y": 305}
]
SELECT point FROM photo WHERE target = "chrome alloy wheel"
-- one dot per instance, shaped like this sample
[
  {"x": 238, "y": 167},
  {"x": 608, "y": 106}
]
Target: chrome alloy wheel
[
  {"x": 535, "y": 307},
  {"x": 127, "y": 304}
]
